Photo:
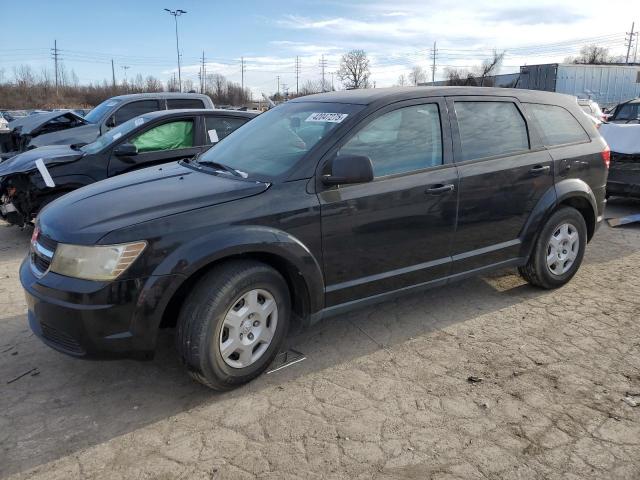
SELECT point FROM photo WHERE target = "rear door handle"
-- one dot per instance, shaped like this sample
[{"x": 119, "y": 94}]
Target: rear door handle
[
  {"x": 540, "y": 169},
  {"x": 440, "y": 189}
]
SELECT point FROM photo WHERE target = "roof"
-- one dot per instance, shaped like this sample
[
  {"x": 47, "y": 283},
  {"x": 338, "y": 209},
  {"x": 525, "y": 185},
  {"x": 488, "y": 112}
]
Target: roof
[
  {"x": 199, "y": 111},
  {"x": 394, "y": 94},
  {"x": 131, "y": 96}
]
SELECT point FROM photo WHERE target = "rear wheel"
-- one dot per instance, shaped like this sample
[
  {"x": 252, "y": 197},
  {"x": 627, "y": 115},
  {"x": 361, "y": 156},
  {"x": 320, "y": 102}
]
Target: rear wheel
[
  {"x": 233, "y": 323},
  {"x": 559, "y": 250}
]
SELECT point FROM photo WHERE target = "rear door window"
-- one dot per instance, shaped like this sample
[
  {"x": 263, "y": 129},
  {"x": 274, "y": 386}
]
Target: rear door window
[
  {"x": 219, "y": 127},
  {"x": 133, "y": 109},
  {"x": 556, "y": 125},
  {"x": 178, "y": 103},
  {"x": 169, "y": 136},
  {"x": 489, "y": 129}
]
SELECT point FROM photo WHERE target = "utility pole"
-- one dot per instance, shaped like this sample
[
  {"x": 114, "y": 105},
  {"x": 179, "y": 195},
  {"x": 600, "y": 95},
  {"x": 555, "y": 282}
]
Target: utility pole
[
  {"x": 434, "y": 53},
  {"x": 55, "y": 54},
  {"x": 323, "y": 65},
  {"x": 125, "y": 68},
  {"x": 242, "y": 73},
  {"x": 629, "y": 42},
  {"x": 201, "y": 73},
  {"x": 176, "y": 14},
  {"x": 278, "y": 80},
  {"x": 332, "y": 87},
  {"x": 113, "y": 74},
  {"x": 297, "y": 75}
]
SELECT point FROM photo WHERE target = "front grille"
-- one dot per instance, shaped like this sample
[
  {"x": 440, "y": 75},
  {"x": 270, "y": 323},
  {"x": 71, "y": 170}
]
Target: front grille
[
  {"x": 42, "y": 250},
  {"x": 47, "y": 242},
  {"x": 61, "y": 339}
]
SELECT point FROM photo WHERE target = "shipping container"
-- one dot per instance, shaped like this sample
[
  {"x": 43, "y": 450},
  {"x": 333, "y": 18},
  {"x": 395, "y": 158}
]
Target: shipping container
[{"x": 608, "y": 85}]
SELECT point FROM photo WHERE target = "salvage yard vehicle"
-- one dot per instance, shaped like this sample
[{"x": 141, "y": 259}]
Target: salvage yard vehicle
[
  {"x": 34, "y": 178},
  {"x": 321, "y": 205},
  {"x": 67, "y": 127},
  {"x": 591, "y": 108},
  {"x": 622, "y": 133}
]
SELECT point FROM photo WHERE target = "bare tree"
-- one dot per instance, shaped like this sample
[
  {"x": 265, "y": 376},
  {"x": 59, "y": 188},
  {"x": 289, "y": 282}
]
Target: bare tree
[
  {"x": 417, "y": 75},
  {"x": 354, "y": 69},
  {"x": 490, "y": 66},
  {"x": 402, "y": 80},
  {"x": 593, "y": 55},
  {"x": 152, "y": 84},
  {"x": 481, "y": 76}
]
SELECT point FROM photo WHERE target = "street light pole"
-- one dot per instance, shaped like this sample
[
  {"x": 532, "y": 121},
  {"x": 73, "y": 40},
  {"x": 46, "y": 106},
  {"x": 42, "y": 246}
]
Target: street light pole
[{"x": 176, "y": 14}]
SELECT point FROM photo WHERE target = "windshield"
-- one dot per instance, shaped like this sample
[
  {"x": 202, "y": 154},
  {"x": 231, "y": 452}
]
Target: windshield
[
  {"x": 628, "y": 111},
  {"x": 275, "y": 141},
  {"x": 99, "y": 112},
  {"x": 114, "y": 134}
]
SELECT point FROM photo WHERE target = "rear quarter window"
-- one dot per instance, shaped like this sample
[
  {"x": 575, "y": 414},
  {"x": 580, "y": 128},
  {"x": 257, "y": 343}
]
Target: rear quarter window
[
  {"x": 556, "y": 125},
  {"x": 179, "y": 103}
]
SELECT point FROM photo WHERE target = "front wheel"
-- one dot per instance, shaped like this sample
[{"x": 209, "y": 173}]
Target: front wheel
[
  {"x": 559, "y": 250},
  {"x": 233, "y": 323}
]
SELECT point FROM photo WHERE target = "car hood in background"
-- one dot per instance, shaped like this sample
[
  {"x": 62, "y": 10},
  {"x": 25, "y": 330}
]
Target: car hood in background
[
  {"x": 86, "y": 215},
  {"x": 26, "y": 161},
  {"x": 30, "y": 124},
  {"x": 622, "y": 138},
  {"x": 82, "y": 134}
]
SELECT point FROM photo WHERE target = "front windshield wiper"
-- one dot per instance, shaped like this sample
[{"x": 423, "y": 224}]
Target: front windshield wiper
[
  {"x": 77, "y": 146},
  {"x": 222, "y": 166}
]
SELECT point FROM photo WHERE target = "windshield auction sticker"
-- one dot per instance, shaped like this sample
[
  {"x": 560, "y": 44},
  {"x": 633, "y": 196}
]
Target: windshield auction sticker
[{"x": 327, "y": 117}]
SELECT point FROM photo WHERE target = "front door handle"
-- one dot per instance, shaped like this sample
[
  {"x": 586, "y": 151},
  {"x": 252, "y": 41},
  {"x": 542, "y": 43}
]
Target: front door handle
[
  {"x": 539, "y": 169},
  {"x": 440, "y": 189}
]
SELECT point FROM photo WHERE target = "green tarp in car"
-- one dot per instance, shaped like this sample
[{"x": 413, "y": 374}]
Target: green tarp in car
[{"x": 170, "y": 136}]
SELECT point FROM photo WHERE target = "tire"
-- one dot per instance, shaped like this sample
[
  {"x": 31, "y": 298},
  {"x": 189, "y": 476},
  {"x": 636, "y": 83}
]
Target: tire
[
  {"x": 537, "y": 270},
  {"x": 203, "y": 323}
]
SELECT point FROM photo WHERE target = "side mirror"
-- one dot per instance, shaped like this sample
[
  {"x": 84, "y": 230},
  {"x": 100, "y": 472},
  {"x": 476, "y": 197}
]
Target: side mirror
[
  {"x": 111, "y": 122},
  {"x": 125, "y": 150},
  {"x": 347, "y": 169}
]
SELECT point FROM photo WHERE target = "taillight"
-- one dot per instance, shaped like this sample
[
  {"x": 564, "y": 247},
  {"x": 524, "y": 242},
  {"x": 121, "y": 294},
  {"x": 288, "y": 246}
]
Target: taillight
[{"x": 606, "y": 156}]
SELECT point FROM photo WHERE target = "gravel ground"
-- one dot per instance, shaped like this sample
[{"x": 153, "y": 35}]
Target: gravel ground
[{"x": 385, "y": 392}]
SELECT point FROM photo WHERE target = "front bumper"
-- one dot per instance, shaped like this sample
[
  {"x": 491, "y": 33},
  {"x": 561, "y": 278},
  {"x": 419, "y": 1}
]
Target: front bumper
[{"x": 90, "y": 319}]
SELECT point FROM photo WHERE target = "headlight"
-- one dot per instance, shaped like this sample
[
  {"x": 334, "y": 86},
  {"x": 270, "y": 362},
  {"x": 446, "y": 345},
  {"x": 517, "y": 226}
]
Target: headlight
[{"x": 97, "y": 262}]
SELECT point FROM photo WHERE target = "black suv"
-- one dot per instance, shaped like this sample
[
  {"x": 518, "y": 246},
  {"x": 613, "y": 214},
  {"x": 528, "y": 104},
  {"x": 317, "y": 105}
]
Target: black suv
[{"x": 321, "y": 205}]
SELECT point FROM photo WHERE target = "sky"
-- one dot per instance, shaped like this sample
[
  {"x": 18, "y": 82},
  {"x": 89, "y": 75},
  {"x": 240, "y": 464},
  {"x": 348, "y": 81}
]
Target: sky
[{"x": 396, "y": 35}]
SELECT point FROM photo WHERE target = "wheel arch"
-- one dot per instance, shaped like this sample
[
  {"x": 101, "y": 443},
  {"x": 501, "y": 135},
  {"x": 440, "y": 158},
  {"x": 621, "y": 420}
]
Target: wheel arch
[
  {"x": 298, "y": 286},
  {"x": 281, "y": 251},
  {"x": 572, "y": 192}
]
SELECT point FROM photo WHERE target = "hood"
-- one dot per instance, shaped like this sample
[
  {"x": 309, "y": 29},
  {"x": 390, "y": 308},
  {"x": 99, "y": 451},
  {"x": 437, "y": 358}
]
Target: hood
[
  {"x": 89, "y": 213},
  {"x": 82, "y": 134},
  {"x": 26, "y": 161},
  {"x": 30, "y": 124},
  {"x": 622, "y": 138}
]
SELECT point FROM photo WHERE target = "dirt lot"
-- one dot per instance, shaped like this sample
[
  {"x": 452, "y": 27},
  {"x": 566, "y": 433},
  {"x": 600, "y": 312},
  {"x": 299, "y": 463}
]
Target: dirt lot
[{"x": 384, "y": 392}]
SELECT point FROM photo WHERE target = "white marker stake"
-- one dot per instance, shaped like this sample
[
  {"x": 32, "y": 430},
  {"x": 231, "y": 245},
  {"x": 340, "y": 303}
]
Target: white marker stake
[{"x": 46, "y": 176}]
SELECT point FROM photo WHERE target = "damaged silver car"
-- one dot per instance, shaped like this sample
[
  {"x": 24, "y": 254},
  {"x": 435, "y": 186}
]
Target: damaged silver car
[{"x": 68, "y": 128}]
